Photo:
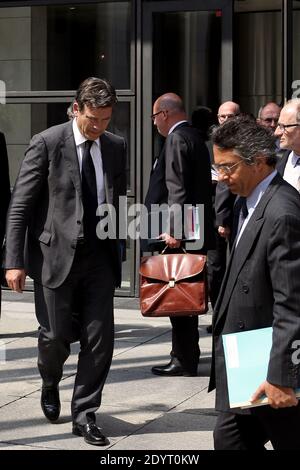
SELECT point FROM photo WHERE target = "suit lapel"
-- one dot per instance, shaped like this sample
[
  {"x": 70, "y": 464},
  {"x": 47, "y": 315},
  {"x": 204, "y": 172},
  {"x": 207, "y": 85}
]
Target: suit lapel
[
  {"x": 107, "y": 159},
  {"x": 69, "y": 153},
  {"x": 239, "y": 255},
  {"x": 282, "y": 161}
]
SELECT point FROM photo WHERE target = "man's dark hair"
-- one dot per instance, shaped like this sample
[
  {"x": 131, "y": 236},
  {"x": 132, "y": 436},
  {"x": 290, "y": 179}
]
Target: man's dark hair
[
  {"x": 95, "y": 93},
  {"x": 247, "y": 138}
]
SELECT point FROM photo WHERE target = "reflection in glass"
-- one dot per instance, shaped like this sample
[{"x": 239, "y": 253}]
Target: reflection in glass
[
  {"x": 187, "y": 57},
  {"x": 258, "y": 55},
  {"x": 20, "y": 122},
  {"x": 56, "y": 47},
  {"x": 296, "y": 49}
]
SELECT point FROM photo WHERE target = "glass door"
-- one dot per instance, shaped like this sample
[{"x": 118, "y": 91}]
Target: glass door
[{"x": 187, "y": 49}]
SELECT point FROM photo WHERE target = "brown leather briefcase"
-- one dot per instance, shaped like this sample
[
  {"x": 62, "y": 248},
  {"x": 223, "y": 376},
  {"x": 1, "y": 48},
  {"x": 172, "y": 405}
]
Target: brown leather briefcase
[{"x": 173, "y": 284}]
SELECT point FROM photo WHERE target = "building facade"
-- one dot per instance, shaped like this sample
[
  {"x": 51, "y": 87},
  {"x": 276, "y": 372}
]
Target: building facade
[{"x": 208, "y": 51}]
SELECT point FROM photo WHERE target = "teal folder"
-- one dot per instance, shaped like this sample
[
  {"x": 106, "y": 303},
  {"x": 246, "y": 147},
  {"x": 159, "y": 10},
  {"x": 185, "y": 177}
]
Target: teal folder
[{"x": 247, "y": 357}]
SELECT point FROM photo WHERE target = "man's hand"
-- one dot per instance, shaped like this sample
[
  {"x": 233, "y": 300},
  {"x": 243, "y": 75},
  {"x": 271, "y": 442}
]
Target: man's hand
[
  {"x": 15, "y": 279},
  {"x": 279, "y": 397},
  {"x": 170, "y": 241},
  {"x": 224, "y": 232}
]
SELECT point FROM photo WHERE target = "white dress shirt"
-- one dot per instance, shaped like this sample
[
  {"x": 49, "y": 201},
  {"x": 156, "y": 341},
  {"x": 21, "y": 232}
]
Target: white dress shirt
[
  {"x": 96, "y": 157},
  {"x": 292, "y": 170},
  {"x": 175, "y": 125}
]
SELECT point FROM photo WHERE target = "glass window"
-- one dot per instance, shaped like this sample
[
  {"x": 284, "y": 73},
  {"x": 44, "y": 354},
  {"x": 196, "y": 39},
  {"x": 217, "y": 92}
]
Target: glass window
[
  {"x": 187, "y": 57},
  {"x": 296, "y": 50},
  {"x": 20, "y": 121},
  {"x": 257, "y": 53},
  {"x": 120, "y": 125},
  {"x": 56, "y": 47}
]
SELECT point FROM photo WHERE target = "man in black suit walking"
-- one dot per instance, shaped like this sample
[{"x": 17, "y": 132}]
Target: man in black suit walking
[
  {"x": 261, "y": 288},
  {"x": 69, "y": 170},
  {"x": 5, "y": 193},
  {"x": 181, "y": 175}
]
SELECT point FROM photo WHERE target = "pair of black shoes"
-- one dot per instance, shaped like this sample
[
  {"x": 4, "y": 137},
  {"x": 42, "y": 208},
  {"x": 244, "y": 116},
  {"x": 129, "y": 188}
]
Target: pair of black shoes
[
  {"x": 173, "y": 369},
  {"x": 50, "y": 404}
]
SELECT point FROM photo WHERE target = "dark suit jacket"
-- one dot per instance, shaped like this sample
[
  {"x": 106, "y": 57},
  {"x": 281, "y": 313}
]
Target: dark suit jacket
[
  {"x": 224, "y": 202},
  {"x": 182, "y": 175},
  {"x": 282, "y": 161},
  {"x": 4, "y": 186},
  {"x": 261, "y": 287},
  {"x": 4, "y": 198},
  {"x": 47, "y": 200}
]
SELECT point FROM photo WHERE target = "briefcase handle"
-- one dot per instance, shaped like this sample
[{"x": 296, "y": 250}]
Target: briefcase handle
[{"x": 168, "y": 248}]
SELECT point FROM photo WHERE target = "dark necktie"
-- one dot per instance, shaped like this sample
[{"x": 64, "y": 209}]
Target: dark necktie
[
  {"x": 89, "y": 193},
  {"x": 240, "y": 213}
]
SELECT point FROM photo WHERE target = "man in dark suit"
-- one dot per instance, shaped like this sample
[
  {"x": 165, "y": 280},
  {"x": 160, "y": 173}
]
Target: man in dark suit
[
  {"x": 288, "y": 131},
  {"x": 5, "y": 193},
  {"x": 181, "y": 175},
  {"x": 69, "y": 170},
  {"x": 261, "y": 288}
]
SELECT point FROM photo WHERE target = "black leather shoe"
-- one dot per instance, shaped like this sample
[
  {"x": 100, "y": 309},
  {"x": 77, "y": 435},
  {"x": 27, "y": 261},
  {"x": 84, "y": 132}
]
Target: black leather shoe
[
  {"x": 50, "y": 403},
  {"x": 173, "y": 369},
  {"x": 91, "y": 434}
]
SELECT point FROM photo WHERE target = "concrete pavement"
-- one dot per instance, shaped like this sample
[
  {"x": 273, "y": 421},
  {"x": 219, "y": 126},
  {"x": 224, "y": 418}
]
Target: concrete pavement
[{"x": 139, "y": 411}]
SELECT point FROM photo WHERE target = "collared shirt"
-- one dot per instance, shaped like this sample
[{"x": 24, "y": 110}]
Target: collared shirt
[
  {"x": 292, "y": 170},
  {"x": 175, "y": 125},
  {"x": 254, "y": 198},
  {"x": 96, "y": 157}
]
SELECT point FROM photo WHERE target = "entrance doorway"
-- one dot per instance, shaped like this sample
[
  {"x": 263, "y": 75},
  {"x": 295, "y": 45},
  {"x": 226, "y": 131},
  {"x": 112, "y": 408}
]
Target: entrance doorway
[{"x": 187, "y": 49}]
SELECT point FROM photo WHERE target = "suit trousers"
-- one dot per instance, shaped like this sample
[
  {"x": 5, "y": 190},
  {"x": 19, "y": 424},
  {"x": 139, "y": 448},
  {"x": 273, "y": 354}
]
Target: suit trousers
[
  {"x": 185, "y": 341},
  {"x": 90, "y": 284},
  {"x": 252, "y": 431}
]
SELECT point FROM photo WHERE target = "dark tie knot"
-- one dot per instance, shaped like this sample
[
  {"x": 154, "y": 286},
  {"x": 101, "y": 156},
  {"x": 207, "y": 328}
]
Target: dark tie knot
[{"x": 88, "y": 144}]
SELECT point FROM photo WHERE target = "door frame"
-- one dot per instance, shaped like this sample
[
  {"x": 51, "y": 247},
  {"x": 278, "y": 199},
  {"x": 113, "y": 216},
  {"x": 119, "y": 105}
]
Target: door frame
[{"x": 149, "y": 8}]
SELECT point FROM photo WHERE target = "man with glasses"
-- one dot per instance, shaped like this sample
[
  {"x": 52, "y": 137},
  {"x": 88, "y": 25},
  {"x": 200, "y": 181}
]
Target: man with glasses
[
  {"x": 288, "y": 131},
  {"x": 261, "y": 288},
  {"x": 180, "y": 175},
  {"x": 228, "y": 110},
  {"x": 223, "y": 203}
]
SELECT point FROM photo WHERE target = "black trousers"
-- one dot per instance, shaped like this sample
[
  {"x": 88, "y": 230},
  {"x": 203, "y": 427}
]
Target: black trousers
[
  {"x": 252, "y": 431},
  {"x": 88, "y": 289},
  {"x": 185, "y": 341}
]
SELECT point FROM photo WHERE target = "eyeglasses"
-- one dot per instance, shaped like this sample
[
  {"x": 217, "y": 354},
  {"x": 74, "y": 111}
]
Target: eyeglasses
[
  {"x": 153, "y": 116},
  {"x": 225, "y": 169},
  {"x": 283, "y": 127},
  {"x": 226, "y": 116}
]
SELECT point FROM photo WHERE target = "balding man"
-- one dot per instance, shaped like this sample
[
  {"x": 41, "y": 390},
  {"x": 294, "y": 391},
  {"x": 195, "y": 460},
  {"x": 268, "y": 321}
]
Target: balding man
[
  {"x": 268, "y": 115},
  {"x": 288, "y": 131},
  {"x": 181, "y": 175},
  {"x": 228, "y": 110}
]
